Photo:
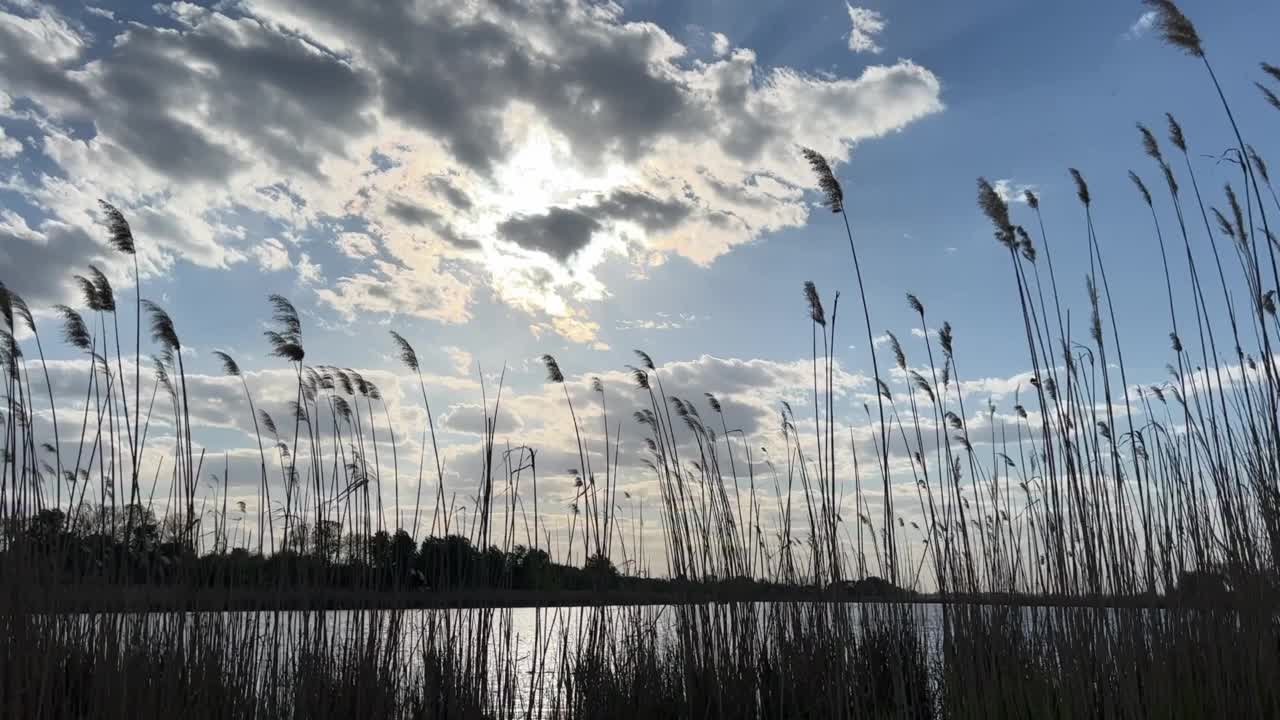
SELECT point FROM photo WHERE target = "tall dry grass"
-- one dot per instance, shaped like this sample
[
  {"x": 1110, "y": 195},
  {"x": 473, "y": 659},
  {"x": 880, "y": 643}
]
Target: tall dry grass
[{"x": 1134, "y": 528}]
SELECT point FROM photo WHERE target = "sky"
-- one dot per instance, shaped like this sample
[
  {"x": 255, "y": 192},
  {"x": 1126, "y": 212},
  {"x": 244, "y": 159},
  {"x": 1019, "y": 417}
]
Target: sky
[{"x": 500, "y": 179}]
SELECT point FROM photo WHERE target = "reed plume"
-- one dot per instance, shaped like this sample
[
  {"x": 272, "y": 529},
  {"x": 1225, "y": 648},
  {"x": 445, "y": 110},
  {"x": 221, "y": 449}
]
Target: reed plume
[
  {"x": 119, "y": 234},
  {"x": 832, "y": 193},
  {"x": 1175, "y": 27},
  {"x": 74, "y": 330}
]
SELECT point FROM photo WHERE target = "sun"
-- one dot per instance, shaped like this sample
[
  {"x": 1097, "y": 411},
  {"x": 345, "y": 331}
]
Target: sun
[{"x": 543, "y": 172}]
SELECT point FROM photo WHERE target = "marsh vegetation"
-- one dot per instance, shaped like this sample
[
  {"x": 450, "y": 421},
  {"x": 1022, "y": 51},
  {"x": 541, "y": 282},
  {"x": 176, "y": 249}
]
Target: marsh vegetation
[{"x": 1152, "y": 509}]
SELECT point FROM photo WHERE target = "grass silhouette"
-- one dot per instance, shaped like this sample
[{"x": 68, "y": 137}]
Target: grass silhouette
[{"x": 1114, "y": 555}]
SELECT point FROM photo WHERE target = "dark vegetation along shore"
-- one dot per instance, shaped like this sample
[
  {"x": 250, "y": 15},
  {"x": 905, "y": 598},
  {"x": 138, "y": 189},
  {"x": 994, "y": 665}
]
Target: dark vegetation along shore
[{"x": 1114, "y": 555}]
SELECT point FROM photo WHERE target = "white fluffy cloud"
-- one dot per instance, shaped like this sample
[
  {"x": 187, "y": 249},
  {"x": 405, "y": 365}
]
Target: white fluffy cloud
[
  {"x": 1012, "y": 191},
  {"x": 720, "y": 44},
  {"x": 272, "y": 255},
  {"x": 461, "y": 360},
  {"x": 9, "y": 147},
  {"x": 309, "y": 273},
  {"x": 356, "y": 245},
  {"x": 866, "y": 25}
]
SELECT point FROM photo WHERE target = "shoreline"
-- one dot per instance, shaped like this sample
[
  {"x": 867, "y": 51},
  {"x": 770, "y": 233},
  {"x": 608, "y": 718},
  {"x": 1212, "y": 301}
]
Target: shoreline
[{"x": 126, "y": 599}]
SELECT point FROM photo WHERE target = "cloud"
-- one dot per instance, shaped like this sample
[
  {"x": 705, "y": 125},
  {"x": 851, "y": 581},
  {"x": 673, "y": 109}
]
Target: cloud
[
  {"x": 356, "y": 245},
  {"x": 867, "y": 24},
  {"x": 663, "y": 321},
  {"x": 309, "y": 273},
  {"x": 408, "y": 213},
  {"x": 461, "y": 360},
  {"x": 470, "y": 419},
  {"x": 720, "y": 44},
  {"x": 46, "y": 254},
  {"x": 452, "y": 193},
  {"x": 9, "y": 147},
  {"x": 560, "y": 232},
  {"x": 1013, "y": 192},
  {"x": 391, "y": 288},
  {"x": 999, "y": 388},
  {"x": 749, "y": 392},
  {"x": 1143, "y": 24},
  {"x": 272, "y": 255},
  {"x": 151, "y": 100},
  {"x": 517, "y": 145},
  {"x": 577, "y": 330}
]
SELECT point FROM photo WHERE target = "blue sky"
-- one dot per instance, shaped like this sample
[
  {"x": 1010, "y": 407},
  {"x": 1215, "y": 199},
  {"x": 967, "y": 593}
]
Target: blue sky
[{"x": 583, "y": 179}]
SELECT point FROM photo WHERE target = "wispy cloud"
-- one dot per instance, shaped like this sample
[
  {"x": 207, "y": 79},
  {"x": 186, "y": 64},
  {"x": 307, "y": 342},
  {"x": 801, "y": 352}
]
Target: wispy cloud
[
  {"x": 663, "y": 321},
  {"x": 462, "y": 361},
  {"x": 1013, "y": 192},
  {"x": 867, "y": 24},
  {"x": 356, "y": 245},
  {"x": 1143, "y": 24}
]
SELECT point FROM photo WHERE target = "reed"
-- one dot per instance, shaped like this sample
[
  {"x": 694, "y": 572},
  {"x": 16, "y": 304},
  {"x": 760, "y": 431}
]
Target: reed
[{"x": 1106, "y": 549}]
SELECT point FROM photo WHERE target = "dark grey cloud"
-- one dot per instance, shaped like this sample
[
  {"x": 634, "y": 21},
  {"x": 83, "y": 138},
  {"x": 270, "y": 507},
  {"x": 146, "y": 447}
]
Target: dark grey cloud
[
  {"x": 440, "y": 67},
  {"x": 650, "y": 212},
  {"x": 266, "y": 87},
  {"x": 606, "y": 94},
  {"x": 453, "y": 71},
  {"x": 132, "y": 109},
  {"x": 563, "y": 231},
  {"x": 38, "y": 263},
  {"x": 560, "y": 233},
  {"x": 451, "y": 236},
  {"x": 412, "y": 214},
  {"x": 409, "y": 213},
  {"x": 452, "y": 193},
  {"x": 248, "y": 85},
  {"x": 29, "y": 70},
  {"x": 748, "y": 132}
]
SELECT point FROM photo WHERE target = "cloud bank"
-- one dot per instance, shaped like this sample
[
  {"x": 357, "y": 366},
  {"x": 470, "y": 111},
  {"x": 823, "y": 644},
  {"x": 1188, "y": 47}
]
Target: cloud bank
[{"x": 439, "y": 149}]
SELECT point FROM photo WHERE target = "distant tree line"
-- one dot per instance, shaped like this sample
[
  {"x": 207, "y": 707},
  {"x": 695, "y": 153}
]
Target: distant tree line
[{"x": 130, "y": 545}]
